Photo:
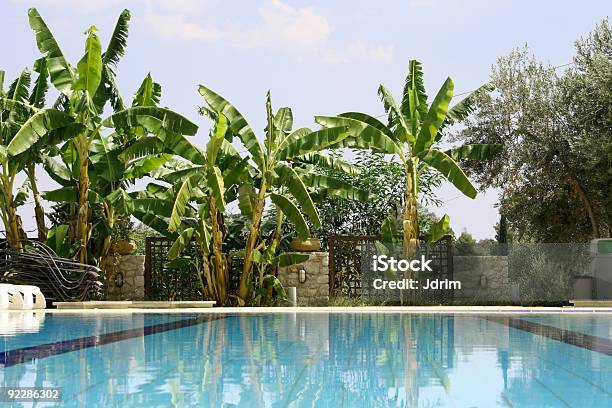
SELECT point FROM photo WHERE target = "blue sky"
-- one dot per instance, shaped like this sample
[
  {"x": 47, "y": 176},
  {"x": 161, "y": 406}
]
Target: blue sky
[{"x": 319, "y": 57}]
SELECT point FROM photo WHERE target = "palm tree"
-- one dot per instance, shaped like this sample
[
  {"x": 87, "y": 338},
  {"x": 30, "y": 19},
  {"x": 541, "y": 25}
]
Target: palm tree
[{"x": 412, "y": 134}]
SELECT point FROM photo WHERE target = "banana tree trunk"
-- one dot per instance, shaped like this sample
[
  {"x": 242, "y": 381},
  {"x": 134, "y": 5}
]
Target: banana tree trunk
[
  {"x": 243, "y": 287},
  {"x": 11, "y": 221},
  {"x": 220, "y": 274},
  {"x": 109, "y": 212},
  {"x": 83, "y": 210},
  {"x": 39, "y": 211},
  {"x": 410, "y": 222}
]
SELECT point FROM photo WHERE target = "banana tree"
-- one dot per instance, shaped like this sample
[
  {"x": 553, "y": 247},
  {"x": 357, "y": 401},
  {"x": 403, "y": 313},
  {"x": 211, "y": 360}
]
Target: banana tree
[
  {"x": 17, "y": 105},
  {"x": 412, "y": 134},
  {"x": 273, "y": 179},
  {"x": 76, "y": 115}
]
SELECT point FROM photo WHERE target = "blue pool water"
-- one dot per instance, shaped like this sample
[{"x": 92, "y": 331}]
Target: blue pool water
[{"x": 315, "y": 359}]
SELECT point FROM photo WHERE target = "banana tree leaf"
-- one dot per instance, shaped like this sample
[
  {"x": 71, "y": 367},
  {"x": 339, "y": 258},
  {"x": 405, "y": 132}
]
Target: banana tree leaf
[
  {"x": 121, "y": 201},
  {"x": 465, "y": 107},
  {"x": 182, "y": 147},
  {"x": 18, "y": 90},
  {"x": 293, "y": 214},
  {"x": 474, "y": 151},
  {"x": 236, "y": 173},
  {"x": 22, "y": 194},
  {"x": 363, "y": 135},
  {"x": 89, "y": 68},
  {"x": 396, "y": 117},
  {"x": 435, "y": 117},
  {"x": 438, "y": 229},
  {"x": 106, "y": 163},
  {"x": 181, "y": 202},
  {"x": 294, "y": 184},
  {"x": 370, "y": 120},
  {"x": 238, "y": 124},
  {"x": 217, "y": 136},
  {"x": 156, "y": 206},
  {"x": 133, "y": 117},
  {"x": 143, "y": 167},
  {"x": 40, "y": 124},
  {"x": 41, "y": 86},
  {"x": 143, "y": 147},
  {"x": 451, "y": 170},
  {"x": 246, "y": 199},
  {"x": 283, "y": 120},
  {"x": 60, "y": 71},
  {"x": 58, "y": 172},
  {"x": 2, "y": 74},
  {"x": 329, "y": 162},
  {"x": 178, "y": 176},
  {"x": 216, "y": 187},
  {"x": 180, "y": 244},
  {"x": 148, "y": 94},
  {"x": 388, "y": 231},
  {"x": 69, "y": 195},
  {"x": 327, "y": 186},
  {"x": 154, "y": 222},
  {"x": 415, "y": 85},
  {"x": 315, "y": 141}
]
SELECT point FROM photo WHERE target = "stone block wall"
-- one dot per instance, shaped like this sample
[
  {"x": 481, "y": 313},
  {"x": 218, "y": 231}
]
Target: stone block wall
[
  {"x": 316, "y": 285},
  {"x": 483, "y": 278},
  {"x": 126, "y": 281}
]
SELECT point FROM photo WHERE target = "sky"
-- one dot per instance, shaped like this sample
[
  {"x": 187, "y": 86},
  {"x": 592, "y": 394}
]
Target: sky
[{"x": 318, "y": 57}]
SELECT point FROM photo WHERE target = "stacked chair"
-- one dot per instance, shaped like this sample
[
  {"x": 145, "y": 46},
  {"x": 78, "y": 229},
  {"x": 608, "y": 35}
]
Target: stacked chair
[{"x": 32, "y": 271}]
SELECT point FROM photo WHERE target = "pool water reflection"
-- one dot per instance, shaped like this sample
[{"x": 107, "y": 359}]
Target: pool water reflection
[{"x": 318, "y": 359}]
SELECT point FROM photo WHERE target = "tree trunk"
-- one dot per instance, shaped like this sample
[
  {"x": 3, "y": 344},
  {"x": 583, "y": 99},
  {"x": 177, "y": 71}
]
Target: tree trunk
[
  {"x": 220, "y": 275},
  {"x": 243, "y": 287},
  {"x": 83, "y": 210},
  {"x": 410, "y": 224},
  {"x": 573, "y": 181},
  {"x": 39, "y": 211}
]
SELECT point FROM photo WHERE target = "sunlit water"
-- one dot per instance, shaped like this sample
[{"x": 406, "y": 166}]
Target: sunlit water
[{"x": 320, "y": 360}]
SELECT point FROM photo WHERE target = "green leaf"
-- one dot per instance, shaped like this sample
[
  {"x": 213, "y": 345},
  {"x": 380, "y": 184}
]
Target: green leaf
[
  {"x": 435, "y": 117},
  {"x": 363, "y": 135},
  {"x": 144, "y": 167},
  {"x": 60, "y": 71},
  {"x": 180, "y": 244},
  {"x": 216, "y": 187},
  {"x": 329, "y": 162},
  {"x": 35, "y": 128},
  {"x": 143, "y": 147},
  {"x": 69, "y": 195},
  {"x": 154, "y": 206},
  {"x": 370, "y": 120},
  {"x": 149, "y": 93},
  {"x": 133, "y": 117},
  {"x": 217, "y": 136},
  {"x": 121, "y": 201},
  {"x": 293, "y": 214},
  {"x": 179, "y": 145},
  {"x": 246, "y": 199},
  {"x": 292, "y": 181},
  {"x": 118, "y": 42},
  {"x": 327, "y": 186},
  {"x": 106, "y": 162},
  {"x": 153, "y": 221},
  {"x": 388, "y": 231},
  {"x": 283, "y": 120},
  {"x": 396, "y": 118},
  {"x": 465, "y": 107},
  {"x": 438, "y": 229},
  {"x": 37, "y": 97},
  {"x": 414, "y": 86},
  {"x": 451, "y": 170},
  {"x": 22, "y": 194},
  {"x": 58, "y": 172},
  {"x": 89, "y": 68},
  {"x": 18, "y": 90},
  {"x": 237, "y": 123},
  {"x": 315, "y": 141},
  {"x": 474, "y": 151},
  {"x": 181, "y": 202}
]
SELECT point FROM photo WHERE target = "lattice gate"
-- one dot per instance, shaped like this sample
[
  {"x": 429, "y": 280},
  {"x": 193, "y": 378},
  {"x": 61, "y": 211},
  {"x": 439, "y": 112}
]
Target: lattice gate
[{"x": 350, "y": 268}]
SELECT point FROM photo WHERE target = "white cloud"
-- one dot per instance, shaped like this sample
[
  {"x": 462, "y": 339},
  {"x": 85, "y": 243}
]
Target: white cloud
[{"x": 300, "y": 33}]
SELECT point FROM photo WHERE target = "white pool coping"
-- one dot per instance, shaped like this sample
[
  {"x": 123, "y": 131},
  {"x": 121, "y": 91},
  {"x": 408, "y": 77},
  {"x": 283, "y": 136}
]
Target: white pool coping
[{"x": 337, "y": 309}]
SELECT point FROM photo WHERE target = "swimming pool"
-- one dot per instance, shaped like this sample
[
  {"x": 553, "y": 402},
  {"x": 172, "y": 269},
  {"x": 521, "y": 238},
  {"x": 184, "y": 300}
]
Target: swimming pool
[{"x": 312, "y": 359}]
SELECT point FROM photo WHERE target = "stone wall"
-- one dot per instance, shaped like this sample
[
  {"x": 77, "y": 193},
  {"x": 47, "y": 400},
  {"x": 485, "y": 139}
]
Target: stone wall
[
  {"x": 316, "y": 286},
  {"x": 483, "y": 278},
  {"x": 126, "y": 281}
]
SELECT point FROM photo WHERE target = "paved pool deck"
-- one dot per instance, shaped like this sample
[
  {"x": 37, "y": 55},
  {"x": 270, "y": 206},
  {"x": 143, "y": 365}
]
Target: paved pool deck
[{"x": 365, "y": 309}]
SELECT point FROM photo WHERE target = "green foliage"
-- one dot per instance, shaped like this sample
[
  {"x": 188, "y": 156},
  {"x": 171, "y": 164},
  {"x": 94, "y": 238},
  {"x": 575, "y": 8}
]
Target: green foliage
[{"x": 554, "y": 165}]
